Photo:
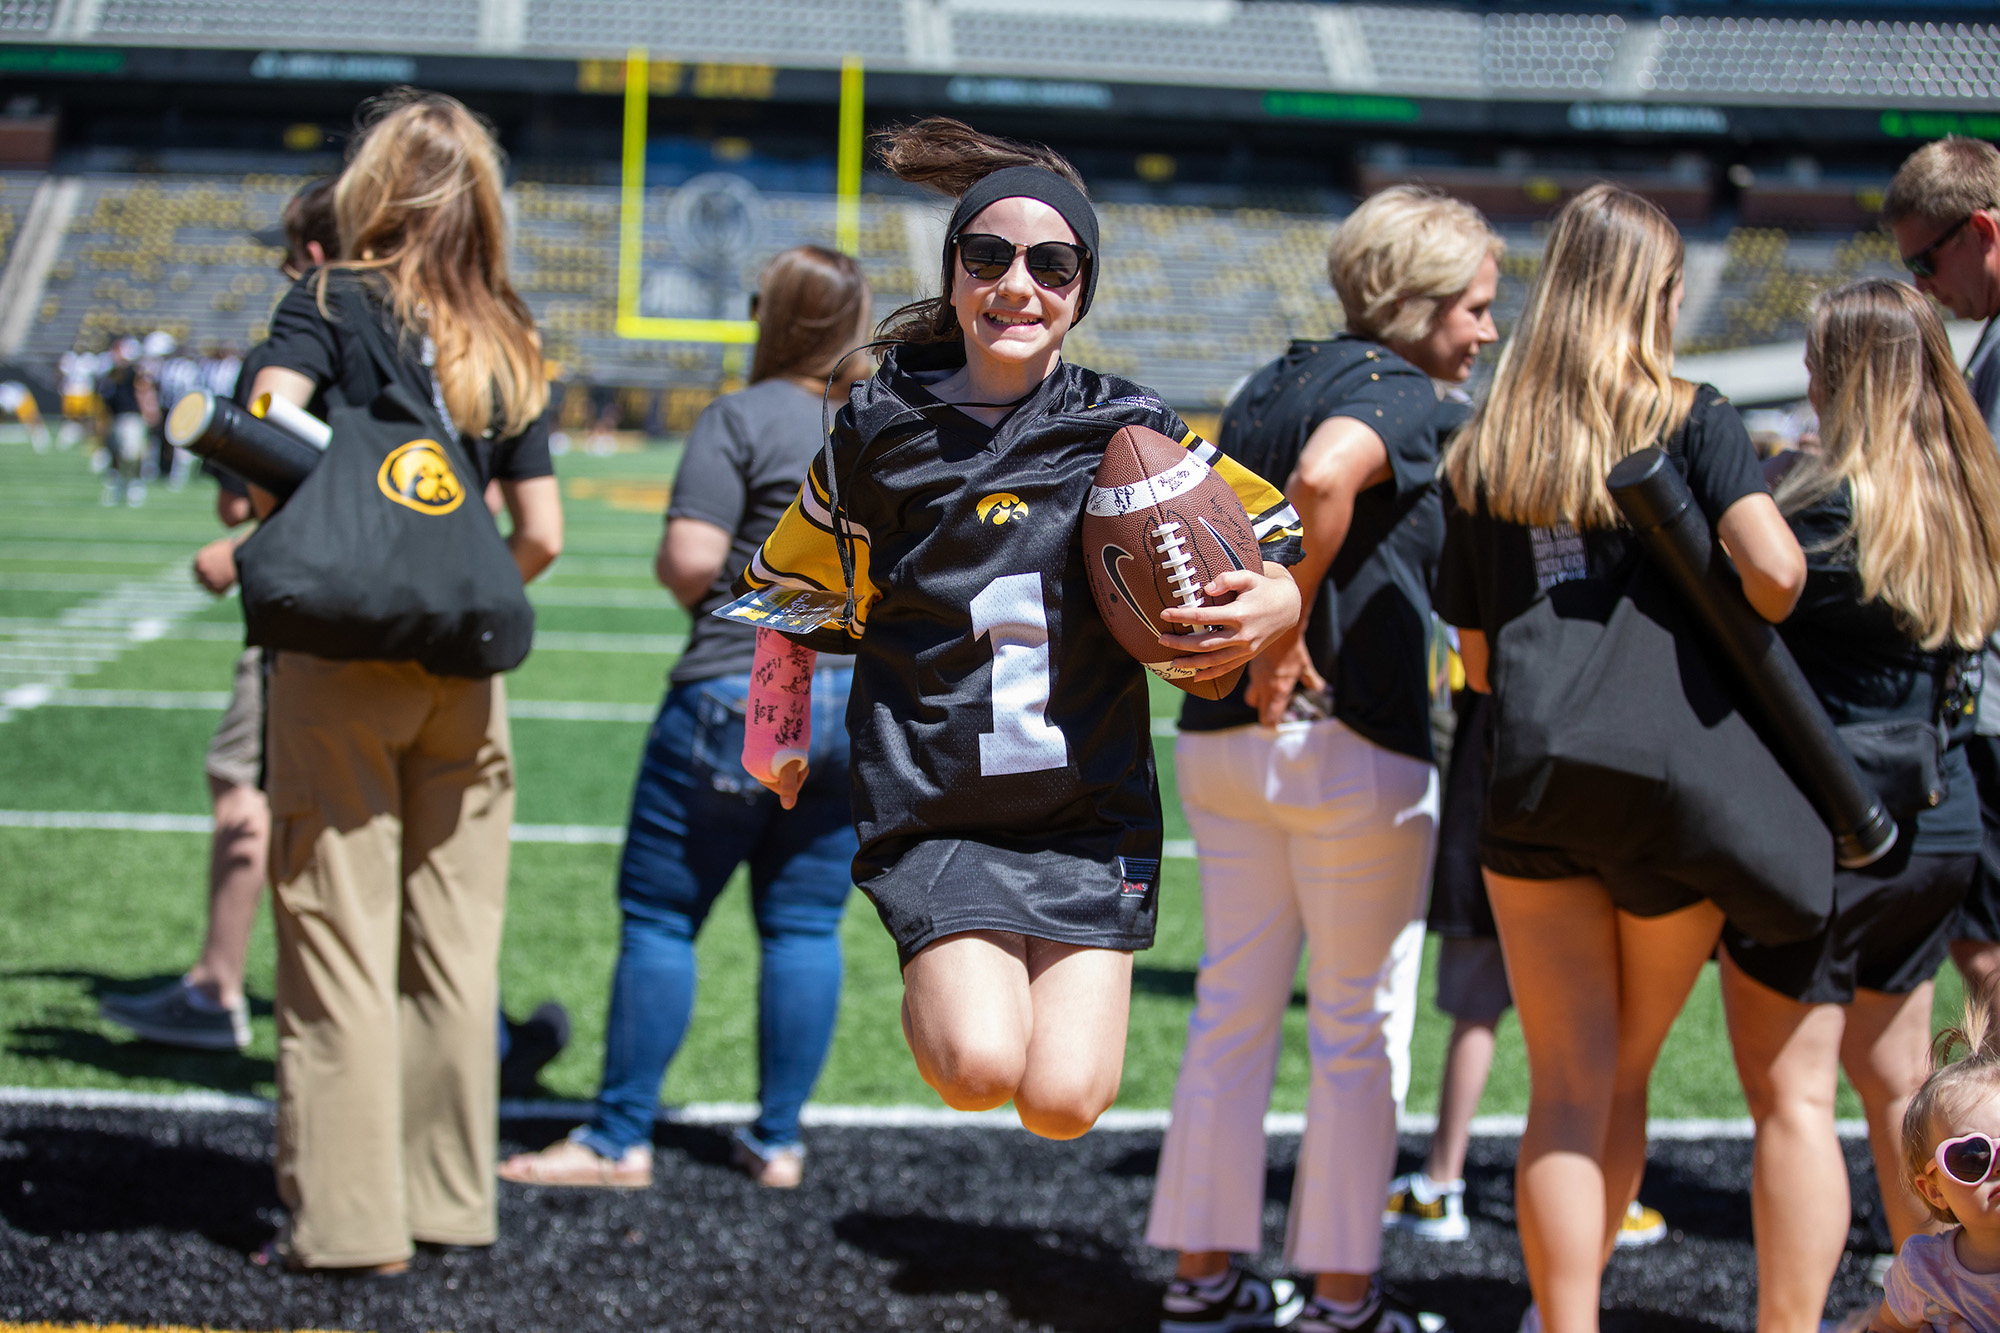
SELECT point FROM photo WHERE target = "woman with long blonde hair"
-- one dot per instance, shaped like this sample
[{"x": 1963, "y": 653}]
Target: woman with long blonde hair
[
  {"x": 391, "y": 787},
  {"x": 1899, "y": 514},
  {"x": 1601, "y": 952}
]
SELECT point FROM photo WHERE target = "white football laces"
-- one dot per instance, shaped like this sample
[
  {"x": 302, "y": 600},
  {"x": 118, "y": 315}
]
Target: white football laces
[{"x": 1178, "y": 562}]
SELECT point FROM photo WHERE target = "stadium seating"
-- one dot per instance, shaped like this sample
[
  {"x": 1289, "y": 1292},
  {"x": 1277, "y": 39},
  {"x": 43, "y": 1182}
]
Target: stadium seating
[
  {"x": 1769, "y": 279},
  {"x": 1790, "y": 58},
  {"x": 173, "y": 254},
  {"x": 26, "y": 18},
  {"x": 346, "y": 24},
  {"x": 1421, "y": 50},
  {"x": 1191, "y": 300},
  {"x": 781, "y": 31},
  {"x": 1254, "y": 44},
  {"x": 17, "y": 191}
]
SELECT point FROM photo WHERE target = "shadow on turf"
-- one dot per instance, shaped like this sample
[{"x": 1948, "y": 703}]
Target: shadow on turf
[
  {"x": 1065, "y": 1279},
  {"x": 1177, "y": 983},
  {"x": 56, "y": 1181},
  {"x": 133, "y": 1057}
]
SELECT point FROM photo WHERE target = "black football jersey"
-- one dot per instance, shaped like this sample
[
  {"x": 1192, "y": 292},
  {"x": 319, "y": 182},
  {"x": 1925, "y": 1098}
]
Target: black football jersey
[{"x": 990, "y": 702}]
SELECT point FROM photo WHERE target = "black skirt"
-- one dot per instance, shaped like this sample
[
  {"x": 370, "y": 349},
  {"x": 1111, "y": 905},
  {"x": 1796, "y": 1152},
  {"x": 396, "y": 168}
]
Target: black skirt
[
  {"x": 947, "y": 886},
  {"x": 1891, "y": 928}
]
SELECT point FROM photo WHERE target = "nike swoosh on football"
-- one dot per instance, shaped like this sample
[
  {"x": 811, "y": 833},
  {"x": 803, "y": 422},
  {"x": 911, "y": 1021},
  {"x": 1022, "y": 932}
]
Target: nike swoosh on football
[{"x": 1114, "y": 559}]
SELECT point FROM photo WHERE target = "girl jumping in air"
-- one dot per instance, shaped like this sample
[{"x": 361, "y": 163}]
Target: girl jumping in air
[{"x": 1004, "y": 789}]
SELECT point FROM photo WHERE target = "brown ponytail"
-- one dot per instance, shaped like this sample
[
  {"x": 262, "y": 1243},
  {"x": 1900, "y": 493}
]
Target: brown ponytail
[{"x": 949, "y": 156}]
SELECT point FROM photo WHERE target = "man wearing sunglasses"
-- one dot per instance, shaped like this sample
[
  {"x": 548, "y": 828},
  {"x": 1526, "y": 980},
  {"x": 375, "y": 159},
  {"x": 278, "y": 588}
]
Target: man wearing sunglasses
[{"x": 1943, "y": 208}]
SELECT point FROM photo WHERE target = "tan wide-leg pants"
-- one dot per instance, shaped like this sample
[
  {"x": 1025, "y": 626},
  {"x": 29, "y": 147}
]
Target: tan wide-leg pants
[{"x": 392, "y": 792}]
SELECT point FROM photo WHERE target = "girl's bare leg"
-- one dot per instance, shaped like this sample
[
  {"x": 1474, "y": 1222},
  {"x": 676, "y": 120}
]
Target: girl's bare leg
[
  {"x": 1659, "y": 959},
  {"x": 968, "y": 1016},
  {"x": 1082, "y": 999},
  {"x": 993, "y": 1017},
  {"x": 1561, "y": 942},
  {"x": 1788, "y": 1055},
  {"x": 1886, "y": 1052}
]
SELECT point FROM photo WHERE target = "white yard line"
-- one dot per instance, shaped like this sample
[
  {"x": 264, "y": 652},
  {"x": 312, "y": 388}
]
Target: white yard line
[
  {"x": 127, "y": 821},
  {"x": 40, "y": 657},
  {"x": 843, "y": 1117},
  {"x": 214, "y": 701},
  {"x": 91, "y": 616}
]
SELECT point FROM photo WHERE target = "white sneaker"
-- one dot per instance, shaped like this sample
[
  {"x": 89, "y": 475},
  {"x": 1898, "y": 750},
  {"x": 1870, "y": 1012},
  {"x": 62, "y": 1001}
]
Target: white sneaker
[{"x": 1424, "y": 1208}]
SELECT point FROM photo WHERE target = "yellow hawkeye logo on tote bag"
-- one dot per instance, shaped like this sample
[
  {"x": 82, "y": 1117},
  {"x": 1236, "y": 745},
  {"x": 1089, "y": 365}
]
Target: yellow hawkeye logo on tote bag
[{"x": 419, "y": 475}]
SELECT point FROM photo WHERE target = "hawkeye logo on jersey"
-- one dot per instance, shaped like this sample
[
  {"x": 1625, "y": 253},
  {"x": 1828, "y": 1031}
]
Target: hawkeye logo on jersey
[
  {"x": 1000, "y": 508},
  {"x": 419, "y": 476}
]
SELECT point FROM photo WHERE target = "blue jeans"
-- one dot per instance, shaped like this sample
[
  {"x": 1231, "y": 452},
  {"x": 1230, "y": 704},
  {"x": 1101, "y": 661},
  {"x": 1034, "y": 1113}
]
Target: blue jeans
[{"x": 696, "y": 816}]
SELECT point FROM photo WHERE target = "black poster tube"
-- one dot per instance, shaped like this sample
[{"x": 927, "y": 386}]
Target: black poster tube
[
  {"x": 255, "y": 450},
  {"x": 1655, "y": 500}
]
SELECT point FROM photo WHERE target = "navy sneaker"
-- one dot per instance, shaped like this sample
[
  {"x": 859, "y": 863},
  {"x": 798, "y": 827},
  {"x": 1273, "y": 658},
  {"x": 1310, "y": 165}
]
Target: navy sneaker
[{"x": 1248, "y": 1301}]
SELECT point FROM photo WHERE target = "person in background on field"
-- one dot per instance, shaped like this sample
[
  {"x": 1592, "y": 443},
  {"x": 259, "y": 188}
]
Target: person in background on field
[
  {"x": 696, "y": 814},
  {"x": 134, "y": 407},
  {"x": 392, "y": 787},
  {"x": 1898, "y": 511},
  {"x": 1943, "y": 208},
  {"x": 206, "y": 1009},
  {"x": 18, "y": 402},
  {"x": 1601, "y": 953},
  {"x": 1312, "y": 791}
]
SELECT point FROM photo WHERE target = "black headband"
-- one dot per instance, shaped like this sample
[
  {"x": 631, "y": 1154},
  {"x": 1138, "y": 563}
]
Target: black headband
[{"x": 1030, "y": 183}]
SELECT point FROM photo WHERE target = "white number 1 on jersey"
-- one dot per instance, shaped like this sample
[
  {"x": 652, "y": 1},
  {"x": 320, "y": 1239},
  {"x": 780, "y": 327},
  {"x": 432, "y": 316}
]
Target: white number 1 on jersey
[{"x": 1010, "y": 611}]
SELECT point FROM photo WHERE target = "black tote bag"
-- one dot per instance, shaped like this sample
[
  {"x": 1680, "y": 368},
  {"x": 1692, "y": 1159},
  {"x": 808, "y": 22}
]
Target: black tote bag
[
  {"x": 386, "y": 552},
  {"x": 1620, "y": 743}
]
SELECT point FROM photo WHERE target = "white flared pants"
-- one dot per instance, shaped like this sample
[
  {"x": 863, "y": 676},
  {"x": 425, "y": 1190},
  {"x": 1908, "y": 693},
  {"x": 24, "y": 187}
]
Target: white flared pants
[{"x": 1310, "y": 837}]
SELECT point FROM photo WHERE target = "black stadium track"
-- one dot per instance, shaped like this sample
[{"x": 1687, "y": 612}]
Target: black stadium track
[{"x": 149, "y": 1218}]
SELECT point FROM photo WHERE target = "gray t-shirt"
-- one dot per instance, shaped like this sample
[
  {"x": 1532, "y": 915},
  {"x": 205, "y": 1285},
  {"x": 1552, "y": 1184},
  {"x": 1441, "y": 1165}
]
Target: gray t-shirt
[
  {"x": 1929, "y": 1288},
  {"x": 745, "y": 458}
]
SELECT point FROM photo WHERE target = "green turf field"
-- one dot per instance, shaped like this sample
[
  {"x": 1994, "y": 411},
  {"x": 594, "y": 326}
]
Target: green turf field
[{"x": 83, "y": 912}]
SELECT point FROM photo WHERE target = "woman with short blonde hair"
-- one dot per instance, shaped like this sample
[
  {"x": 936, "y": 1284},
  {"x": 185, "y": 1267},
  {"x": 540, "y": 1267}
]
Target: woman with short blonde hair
[
  {"x": 391, "y": 786},
  {"x": 1312, "y": 789},
  {"x": 1602, "y": 952},
  {"x": 1401, "y": 256},
  {"x": 1899, "y": 515}
]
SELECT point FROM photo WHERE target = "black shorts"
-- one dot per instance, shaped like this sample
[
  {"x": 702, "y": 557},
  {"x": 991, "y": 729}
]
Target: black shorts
[
  {"x": 1459, "y": 909},
  {"x": 1891, "y": 927},
  {"x": 1979, "y": 917},
  {"x": 1634, "y": 890},
  {"x": 946, "y": 886}
]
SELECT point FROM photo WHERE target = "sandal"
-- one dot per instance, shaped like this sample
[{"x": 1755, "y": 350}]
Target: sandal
[
  {"x": 571, "y": 1164},
  {"x": 773, "y": 1168}
]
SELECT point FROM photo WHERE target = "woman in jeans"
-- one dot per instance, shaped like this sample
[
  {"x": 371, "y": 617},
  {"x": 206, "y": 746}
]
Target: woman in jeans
[
  {"x": 1899, "y": 514},
  {"x": 1601, "y": 951},
  {"x": 1315, "y": 817},
  {"x": 696, "y": 815}
]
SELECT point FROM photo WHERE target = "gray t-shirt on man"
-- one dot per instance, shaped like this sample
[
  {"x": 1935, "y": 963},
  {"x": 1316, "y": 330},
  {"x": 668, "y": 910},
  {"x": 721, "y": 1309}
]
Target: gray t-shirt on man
[{"x": 745, "y": 459}]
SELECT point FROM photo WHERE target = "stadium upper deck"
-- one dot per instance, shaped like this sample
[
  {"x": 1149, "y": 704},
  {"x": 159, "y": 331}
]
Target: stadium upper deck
[{"x": 1617, "y": 55}]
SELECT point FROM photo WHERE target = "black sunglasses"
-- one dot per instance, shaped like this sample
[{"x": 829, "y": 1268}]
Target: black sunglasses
[
  {"x": 1919, "y": 263},
  {"x": 1050, "y": 263}
]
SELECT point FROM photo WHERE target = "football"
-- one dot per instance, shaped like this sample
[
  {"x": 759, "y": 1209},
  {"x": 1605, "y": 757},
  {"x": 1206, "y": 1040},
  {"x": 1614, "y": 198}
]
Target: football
[{"x": 1159, "y": 524}]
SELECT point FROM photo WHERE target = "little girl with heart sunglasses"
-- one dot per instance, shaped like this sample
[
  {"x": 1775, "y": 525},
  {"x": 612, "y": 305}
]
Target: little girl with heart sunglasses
[{"x": 1950, "y": 1281}]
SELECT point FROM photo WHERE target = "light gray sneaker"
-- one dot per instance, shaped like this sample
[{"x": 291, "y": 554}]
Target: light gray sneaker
[{"x": 179, "y": 1015}]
